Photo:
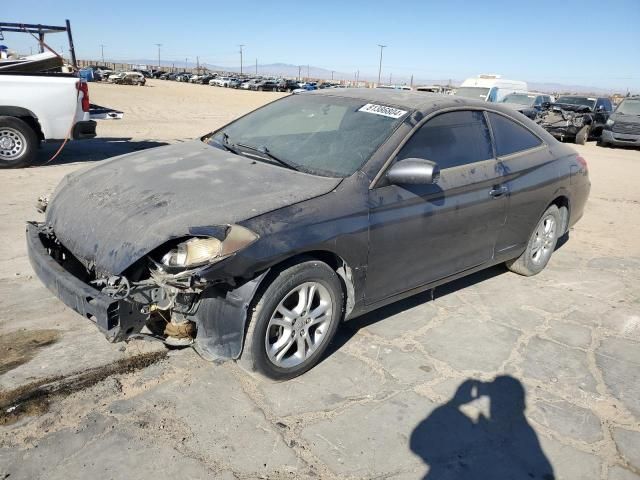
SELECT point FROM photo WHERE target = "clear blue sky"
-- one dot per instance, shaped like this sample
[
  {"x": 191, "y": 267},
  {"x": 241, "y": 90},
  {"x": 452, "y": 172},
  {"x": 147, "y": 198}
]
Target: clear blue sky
[{"x": 575, "y": 42}]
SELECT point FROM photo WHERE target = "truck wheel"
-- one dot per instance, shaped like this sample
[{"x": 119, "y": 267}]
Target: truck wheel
[
  {"x": 583, "y": 135},
  {"x": 540, "y": 246},
  {"x": 293, "y": 321},
  {"x": 18, "y": 143}
]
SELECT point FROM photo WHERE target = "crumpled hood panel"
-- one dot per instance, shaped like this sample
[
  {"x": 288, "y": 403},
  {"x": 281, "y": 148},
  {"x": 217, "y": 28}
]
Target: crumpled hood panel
[{"x": 113, "y": 214}]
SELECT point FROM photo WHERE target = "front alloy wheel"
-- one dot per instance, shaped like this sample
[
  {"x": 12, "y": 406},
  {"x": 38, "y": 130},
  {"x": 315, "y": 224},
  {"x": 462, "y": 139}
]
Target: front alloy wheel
[
  {"x": 293, "y": 320},
  {"x": 299, "y": 325}
]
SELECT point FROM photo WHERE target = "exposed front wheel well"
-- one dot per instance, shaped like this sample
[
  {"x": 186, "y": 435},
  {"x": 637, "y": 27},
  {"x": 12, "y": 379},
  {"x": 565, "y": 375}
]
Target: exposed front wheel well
[{"x": 337, "y": 263}]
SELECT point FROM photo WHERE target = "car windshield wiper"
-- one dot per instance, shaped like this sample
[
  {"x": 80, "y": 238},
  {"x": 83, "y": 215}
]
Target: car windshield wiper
[{"x": 265, "y": 152}]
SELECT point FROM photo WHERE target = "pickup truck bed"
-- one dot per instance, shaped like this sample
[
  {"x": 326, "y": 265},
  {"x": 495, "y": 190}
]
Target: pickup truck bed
[{"x": 37, "y": 107}]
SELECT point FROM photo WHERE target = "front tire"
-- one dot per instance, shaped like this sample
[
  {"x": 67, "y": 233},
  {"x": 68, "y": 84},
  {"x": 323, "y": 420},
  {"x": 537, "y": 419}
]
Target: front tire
[
  {"x": 583, "y": 135},
  {"x": 541, "y": 245},
  {"x": 18, "y": 143},
  {"x": 293, "y": 321}
]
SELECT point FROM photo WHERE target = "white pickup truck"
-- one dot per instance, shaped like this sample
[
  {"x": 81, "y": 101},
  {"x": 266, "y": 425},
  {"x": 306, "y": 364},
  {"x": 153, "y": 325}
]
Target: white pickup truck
[{"x": 38, "y": 108}]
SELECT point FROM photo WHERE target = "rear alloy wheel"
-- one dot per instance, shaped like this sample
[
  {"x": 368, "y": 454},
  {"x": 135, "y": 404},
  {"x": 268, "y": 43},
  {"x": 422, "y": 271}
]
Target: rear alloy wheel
[
  {"x": 583, "y": 135},
  {"x": 293, "y": 321},
  {"x": 540, "y": 246},
  {"x": 18, "y": 143}
]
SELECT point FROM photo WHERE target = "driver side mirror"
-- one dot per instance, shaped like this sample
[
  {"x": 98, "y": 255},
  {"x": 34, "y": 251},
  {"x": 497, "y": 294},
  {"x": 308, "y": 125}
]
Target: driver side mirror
[
  {"x": 414, "y": 171},
  {"x": 546, "y": 104},
  {"x": 600, "y": 108}
]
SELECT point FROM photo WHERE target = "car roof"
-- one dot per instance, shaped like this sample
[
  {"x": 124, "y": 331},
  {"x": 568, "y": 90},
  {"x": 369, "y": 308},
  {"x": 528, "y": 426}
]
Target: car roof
[{"x": 424, "y": 102}]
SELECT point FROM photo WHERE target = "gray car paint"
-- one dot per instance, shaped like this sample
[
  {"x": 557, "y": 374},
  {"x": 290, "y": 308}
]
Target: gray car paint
[
  {"x": 133, "y": 204},
  {"x": 374, "y": 231}
]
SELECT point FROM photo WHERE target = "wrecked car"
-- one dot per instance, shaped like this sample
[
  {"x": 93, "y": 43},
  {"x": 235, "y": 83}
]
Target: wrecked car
[
  {"x": 256, "y": 241},
  {"x": 576, "y": 118},
  {"x": 623, "y": 126}
]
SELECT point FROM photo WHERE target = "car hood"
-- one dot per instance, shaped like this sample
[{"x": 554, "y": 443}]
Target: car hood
[
  {"x": 111, "y": 215},
  {"x": 623, "y": 118}
]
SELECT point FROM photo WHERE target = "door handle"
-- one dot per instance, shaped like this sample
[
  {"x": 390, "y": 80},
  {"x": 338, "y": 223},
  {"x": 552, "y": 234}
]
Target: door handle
[{"x": 498, "y": 191}]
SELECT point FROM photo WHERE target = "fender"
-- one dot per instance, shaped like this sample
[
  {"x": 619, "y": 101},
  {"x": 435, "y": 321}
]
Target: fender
[{"x": 221, "y": 318}]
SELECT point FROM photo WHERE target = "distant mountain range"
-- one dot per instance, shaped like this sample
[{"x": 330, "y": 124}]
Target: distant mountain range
[{"x": 310, "y": 71}]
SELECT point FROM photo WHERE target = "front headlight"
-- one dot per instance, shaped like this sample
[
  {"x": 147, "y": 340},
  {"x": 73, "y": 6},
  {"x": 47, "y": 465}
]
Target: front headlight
[
  {"x": 610, "y": 122},
  {"x": 200, "y": 251}
]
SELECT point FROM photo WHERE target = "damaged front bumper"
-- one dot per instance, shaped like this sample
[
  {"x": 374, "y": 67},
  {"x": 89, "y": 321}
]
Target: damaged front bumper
[
  {"x": 219, "y": 311},
  {"x": 116, "y": 318}
]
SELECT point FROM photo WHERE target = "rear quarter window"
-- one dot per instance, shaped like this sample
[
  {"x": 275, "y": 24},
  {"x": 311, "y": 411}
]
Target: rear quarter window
[{"x": 511, "y": 137}]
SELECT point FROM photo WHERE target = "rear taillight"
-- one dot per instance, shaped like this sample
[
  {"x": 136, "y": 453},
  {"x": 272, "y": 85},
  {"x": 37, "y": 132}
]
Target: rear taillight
[
  {"x": 582, "y": 162},
  {"x": 84, "y": 88}
]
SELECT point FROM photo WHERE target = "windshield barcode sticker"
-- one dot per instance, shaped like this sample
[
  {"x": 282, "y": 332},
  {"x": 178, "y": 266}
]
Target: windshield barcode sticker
[{"x": 382, "y": 110}]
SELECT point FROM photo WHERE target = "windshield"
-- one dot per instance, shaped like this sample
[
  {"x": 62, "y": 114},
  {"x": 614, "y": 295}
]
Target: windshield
[
  {"x": 318, "y": 134},
  {"x": 479, "y": 93},
  {"x": 520, "y": 99},
  {"x": 629, "y": 107},
  {"x": 583, "y": 101}
]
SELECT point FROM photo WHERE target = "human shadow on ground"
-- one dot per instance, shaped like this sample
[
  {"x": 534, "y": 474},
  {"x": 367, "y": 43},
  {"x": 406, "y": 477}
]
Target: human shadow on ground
[
  {"x": 502, "y": 445},
  {"x": 89, "y": 150}
]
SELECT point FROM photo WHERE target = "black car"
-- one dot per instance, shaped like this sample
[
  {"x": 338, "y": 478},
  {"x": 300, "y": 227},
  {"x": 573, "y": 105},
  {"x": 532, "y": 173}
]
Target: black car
[
  {"x": 256, "y": 241},
  {"x": 576, "y": 118},
  {"x": 529, "y": 104},
  {"x": 288, "y": 85},
  {"x": 623, "y": 126}
]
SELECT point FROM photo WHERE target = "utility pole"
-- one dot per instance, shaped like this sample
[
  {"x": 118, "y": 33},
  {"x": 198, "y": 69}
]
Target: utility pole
[
  {"x": 158, "y": 45},
  {"x": 307, "y": 72},
  {"x": 186, "y": 60},
  {"x": 380, "y": 66},
  {"x": 357, "y": 77},
  {"x": 102, "y": 52},
  {"x": 299, "y": 72},
  {"x": 241, "y": 58},
  {"x": 411, "y": 84},
  {"x": 256, "y": 66},
  {"x": 198, "y": 64},
  {"x": 331, "y": 74},
  {"x": 390, "y": 75}
]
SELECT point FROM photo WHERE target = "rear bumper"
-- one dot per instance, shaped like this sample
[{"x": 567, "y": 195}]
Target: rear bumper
[
  {"x": 115, "y": 318},
  {"x": 620, "y": 139},
  {"x": 84, "y": 129}
]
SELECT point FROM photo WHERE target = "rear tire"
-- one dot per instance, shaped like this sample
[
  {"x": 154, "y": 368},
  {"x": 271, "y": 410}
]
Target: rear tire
[
  {"x": 583, "y": 135},
  {"x": 541, "y": 244},
  {"x": 293, "y": 321},
  {"x": 18, "y": 143}
]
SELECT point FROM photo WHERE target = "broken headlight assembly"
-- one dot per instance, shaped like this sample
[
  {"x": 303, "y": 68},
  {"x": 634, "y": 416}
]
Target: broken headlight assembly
[
  {"x": 610, "y": 122},
  {"x": 198, "y": 251},
  {"x": 578, "y": 121}
]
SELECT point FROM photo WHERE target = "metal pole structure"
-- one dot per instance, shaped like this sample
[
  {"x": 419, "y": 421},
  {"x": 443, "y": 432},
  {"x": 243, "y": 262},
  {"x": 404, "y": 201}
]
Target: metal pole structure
[
  {"x": 357, "y": 77},
  {"x": 390, "y": 78},
  {"x": 72, "y": 49},
  {"x": 411, "y": 84},
  {"x": 299, "y": 72},
  {"x": 380, "y": 66},
  {"x": 307, "y": 72},
  {"x": 102, "y": 52},
  {"x": 241, "y": 58},
  {"x": 198, "y": 64},
  {"x": 186, "y": 60},
  {"x": 331, "y": 74},
  {"x": 256, "y": 66},
  {"x": 158, "y": 45}
]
